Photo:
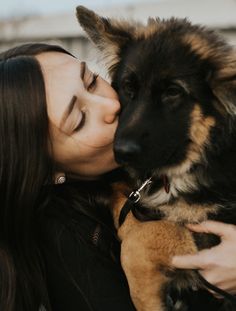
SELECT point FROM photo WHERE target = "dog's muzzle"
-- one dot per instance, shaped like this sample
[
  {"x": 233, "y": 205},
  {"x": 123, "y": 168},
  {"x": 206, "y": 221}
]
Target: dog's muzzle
[{"x": 126, "y": 151}]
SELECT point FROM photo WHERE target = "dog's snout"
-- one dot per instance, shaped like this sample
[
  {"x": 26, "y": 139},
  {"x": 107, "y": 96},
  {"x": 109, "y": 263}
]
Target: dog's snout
[{"x": 125, "y": 151}]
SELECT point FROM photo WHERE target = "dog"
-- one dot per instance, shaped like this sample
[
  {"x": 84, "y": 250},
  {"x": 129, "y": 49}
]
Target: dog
[{"x": 177, "y": 138}]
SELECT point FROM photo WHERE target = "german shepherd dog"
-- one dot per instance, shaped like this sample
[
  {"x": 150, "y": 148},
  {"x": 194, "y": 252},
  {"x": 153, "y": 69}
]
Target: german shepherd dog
[{"x": 177, "y": 137}]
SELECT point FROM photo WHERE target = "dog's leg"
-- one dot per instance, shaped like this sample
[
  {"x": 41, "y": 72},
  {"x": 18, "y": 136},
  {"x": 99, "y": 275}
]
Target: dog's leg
[
  {"x": 145, "y": 281},
  {"x": 146, "y": 251}
]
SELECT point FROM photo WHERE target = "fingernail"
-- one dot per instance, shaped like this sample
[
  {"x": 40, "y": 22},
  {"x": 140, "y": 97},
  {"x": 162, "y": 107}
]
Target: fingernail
[{"x": 174, "y": 259}]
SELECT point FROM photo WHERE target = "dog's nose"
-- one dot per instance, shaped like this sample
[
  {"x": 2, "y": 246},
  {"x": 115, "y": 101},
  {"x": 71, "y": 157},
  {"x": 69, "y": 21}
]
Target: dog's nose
[{"x": 126, "y": 151}]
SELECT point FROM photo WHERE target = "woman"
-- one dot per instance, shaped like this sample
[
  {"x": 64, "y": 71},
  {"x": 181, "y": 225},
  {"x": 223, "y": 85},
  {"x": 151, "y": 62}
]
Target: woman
[{"x": 58, "y": 247}]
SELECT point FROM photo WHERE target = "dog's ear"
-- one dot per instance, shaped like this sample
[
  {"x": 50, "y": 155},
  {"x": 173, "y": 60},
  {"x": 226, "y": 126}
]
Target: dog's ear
[
  {"x": 110, "y": 36},
  {"x": 223, "y": 85}
]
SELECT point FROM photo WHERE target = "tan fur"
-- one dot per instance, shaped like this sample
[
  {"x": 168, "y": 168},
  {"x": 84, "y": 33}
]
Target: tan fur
[
  {"x": 199, "y": 45},
  {"x": 110, "y": 58},
  {"x": 147, "y": 31},
  {"x": 139, "y": 30},
  {"x": 126, "y": 25},
  {"x": 226, "y": 63},
  {"x": 180, "y": 211},
  {"x": 111, "y": 47},
  {"x": 202, "y": 48},
  {"x": 199, "y": 135},
  {"x": 228, "y": 66},
  {"x": 145, "y": 257},
  {"x": 225, "y": 91}
]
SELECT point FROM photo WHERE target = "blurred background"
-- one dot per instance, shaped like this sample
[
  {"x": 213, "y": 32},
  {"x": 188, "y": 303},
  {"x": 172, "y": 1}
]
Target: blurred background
[{"x": 54, "y": 21}]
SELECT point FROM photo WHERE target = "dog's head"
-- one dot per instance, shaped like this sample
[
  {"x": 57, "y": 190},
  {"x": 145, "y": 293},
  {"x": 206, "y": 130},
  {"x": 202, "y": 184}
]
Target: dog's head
[{"x": 177, "y": 87}]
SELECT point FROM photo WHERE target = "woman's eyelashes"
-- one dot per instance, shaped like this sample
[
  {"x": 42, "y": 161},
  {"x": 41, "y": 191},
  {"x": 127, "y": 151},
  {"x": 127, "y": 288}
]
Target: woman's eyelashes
[
  {"x": 81, "y": 122},
  {"x": 90, "y": 87},
  {"x": 82, "y": 118},
  {"x": 92, "y": 84}
]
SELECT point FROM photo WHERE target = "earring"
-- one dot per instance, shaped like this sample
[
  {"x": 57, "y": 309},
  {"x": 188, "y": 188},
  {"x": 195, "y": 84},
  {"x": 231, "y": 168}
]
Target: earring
[{"x": 60, "y": 179}]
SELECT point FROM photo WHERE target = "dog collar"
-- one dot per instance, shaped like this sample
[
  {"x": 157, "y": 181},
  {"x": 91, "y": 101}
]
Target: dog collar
[
  {"x": 134, "y": 198},
  {"x": 136, "y": 195}
]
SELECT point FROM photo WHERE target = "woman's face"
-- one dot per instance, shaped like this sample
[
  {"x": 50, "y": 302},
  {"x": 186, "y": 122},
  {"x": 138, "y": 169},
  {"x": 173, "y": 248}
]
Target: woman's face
[{"x": 83, "y": 112}]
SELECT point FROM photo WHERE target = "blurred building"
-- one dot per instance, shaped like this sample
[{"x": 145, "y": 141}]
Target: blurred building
[{"x": 64, "y": 29}]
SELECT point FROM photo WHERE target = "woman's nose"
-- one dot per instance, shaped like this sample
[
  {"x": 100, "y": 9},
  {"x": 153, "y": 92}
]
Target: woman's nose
[{"x": 111, "y": 110}]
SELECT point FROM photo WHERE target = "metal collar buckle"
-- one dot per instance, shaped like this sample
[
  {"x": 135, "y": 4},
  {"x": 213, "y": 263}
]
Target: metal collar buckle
[{"x": 135, "y": 195}]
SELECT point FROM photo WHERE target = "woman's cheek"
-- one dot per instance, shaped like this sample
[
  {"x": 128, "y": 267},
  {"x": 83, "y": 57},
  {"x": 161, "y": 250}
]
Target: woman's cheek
[{"x": 100, "y": 139}]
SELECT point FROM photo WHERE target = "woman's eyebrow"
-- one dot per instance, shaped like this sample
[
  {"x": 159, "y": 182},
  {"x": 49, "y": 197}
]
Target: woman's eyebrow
[
  {"x": 70, "y": 107},
  {"x": 68, "y": 110}
]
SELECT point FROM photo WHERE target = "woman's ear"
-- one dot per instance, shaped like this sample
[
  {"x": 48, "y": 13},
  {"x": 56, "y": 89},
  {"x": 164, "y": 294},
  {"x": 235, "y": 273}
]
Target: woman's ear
[
  {"x": 109, "y": 35},
  {"x": 223, "y": 85}
]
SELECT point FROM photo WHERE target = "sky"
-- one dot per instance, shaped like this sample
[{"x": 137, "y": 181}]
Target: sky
[{"x": 12, "y": 8}]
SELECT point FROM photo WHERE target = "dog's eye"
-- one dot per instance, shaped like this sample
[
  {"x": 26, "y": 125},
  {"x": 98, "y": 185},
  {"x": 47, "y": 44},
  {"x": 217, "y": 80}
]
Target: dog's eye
[
  {"x": 128, "y": 89},
  {"x": 173, "y": 91}
]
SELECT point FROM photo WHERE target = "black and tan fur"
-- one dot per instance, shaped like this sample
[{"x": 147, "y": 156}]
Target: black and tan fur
[{"x": 177, "y": 86}]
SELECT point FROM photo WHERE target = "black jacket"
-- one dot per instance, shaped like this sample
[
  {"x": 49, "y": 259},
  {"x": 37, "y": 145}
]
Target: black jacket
[{"x": 82, "y": 265}]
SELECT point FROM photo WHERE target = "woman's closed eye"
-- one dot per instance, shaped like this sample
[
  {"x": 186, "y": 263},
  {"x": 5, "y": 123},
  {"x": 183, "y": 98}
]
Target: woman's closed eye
[
  {"x": 81, "y": 121},
  {"x": 82, "y": 115},
  {"x": 82, "y": 118}
]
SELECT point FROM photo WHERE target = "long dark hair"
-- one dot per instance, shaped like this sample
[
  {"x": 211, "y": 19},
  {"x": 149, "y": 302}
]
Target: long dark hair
[{"x": 25, "y": 168}]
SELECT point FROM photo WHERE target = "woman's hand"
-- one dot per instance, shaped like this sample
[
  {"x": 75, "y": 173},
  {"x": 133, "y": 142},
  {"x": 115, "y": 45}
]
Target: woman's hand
[{"x": 217, "y": 264}]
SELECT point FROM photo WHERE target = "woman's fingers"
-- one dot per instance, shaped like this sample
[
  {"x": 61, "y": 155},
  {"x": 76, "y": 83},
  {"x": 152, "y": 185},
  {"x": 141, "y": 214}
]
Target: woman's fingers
[
  {"x": 225, "y": 231},
  {"x": 195, "y": 261},
  {"x": 216, "y": 264},
  {"x": 204, "y": 258}
]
